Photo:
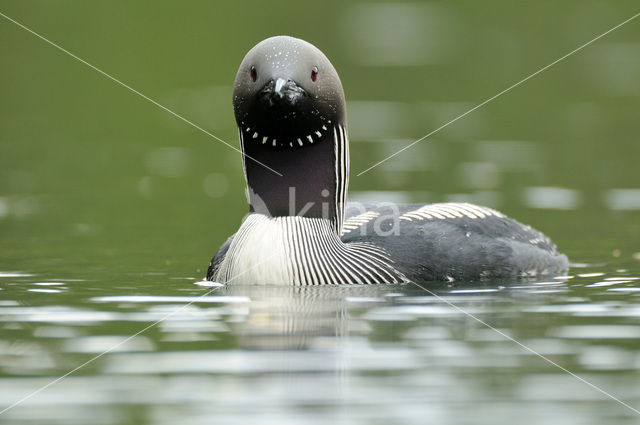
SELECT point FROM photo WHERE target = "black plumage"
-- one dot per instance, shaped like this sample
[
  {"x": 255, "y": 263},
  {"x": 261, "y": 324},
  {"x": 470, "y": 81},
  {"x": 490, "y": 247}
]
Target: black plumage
[{"x": 460, "y": 248}]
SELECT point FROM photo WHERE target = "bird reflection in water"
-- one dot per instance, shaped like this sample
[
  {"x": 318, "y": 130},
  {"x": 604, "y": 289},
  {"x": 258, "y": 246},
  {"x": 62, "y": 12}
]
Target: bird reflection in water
[{"x": 299, "y": 318}]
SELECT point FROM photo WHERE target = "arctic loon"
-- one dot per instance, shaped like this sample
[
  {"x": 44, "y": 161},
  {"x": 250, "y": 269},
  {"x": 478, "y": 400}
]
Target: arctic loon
[{"x": 290, "y": 110}]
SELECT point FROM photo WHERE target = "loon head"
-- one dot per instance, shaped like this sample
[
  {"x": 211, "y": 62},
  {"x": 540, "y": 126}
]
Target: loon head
[
  {"x": 290, "y": 109},
  {"x": 286, "y": 89}
]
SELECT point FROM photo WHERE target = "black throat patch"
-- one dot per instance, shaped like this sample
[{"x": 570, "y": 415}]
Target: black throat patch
[{"x": 307, "y": 186}]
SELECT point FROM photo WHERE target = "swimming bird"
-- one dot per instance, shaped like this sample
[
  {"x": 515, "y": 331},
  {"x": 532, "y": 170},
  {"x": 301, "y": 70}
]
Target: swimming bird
[{"x": 290, "y": 109}]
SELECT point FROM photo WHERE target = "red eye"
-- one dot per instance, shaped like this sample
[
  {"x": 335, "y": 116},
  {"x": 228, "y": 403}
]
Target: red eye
[
  {"x": 254, "y": 73},
  {"x": 314, "y": 73}
]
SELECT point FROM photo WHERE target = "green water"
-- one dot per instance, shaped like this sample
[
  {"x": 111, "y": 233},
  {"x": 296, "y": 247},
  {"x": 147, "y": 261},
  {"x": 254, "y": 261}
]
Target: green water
[{"x": 111, "y": 207}]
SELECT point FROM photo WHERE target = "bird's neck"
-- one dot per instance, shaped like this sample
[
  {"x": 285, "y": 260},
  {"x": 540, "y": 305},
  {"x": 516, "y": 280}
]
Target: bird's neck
[{"x": 306, "y": 177}]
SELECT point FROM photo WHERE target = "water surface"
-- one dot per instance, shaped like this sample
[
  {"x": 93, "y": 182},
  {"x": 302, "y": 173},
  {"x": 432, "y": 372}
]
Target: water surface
[{"x": 383, "y": 354}]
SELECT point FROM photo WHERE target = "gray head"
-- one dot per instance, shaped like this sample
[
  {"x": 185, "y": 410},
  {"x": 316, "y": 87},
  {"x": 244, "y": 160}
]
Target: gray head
[
  {"x": 285, "y": 90},
  {"x": 290, "y": 109}
]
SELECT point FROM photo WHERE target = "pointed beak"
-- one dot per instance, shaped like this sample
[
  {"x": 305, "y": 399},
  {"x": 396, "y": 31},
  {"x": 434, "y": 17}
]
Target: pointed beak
[
  {"x": 279, "y": 85},
  {"x": 281, "y": 91}
]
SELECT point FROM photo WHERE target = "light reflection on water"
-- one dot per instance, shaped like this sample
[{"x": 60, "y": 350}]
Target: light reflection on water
[{"x": 380, "y": 354}]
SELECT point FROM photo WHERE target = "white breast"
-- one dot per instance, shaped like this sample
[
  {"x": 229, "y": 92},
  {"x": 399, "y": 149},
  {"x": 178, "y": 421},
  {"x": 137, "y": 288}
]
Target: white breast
[
  {"x": 259, "y": 253},
  {"x": 301, "y": 251}
]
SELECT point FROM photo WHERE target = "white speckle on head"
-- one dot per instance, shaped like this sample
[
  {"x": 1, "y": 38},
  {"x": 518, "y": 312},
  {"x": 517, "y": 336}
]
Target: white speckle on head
[
  {"x": 324, "y": 127},
  {"x": 291, "y": 143},
  {"x": 248, "y": 129},
  {"x": 310, "y": 139},
  {"x": 264, "y": 140},
  {"x": 274, "y": 142},
  {"x": 299, "y": 142},
  {"x": 318, "y": 134},
  {"x": 255, "y": 135}
]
